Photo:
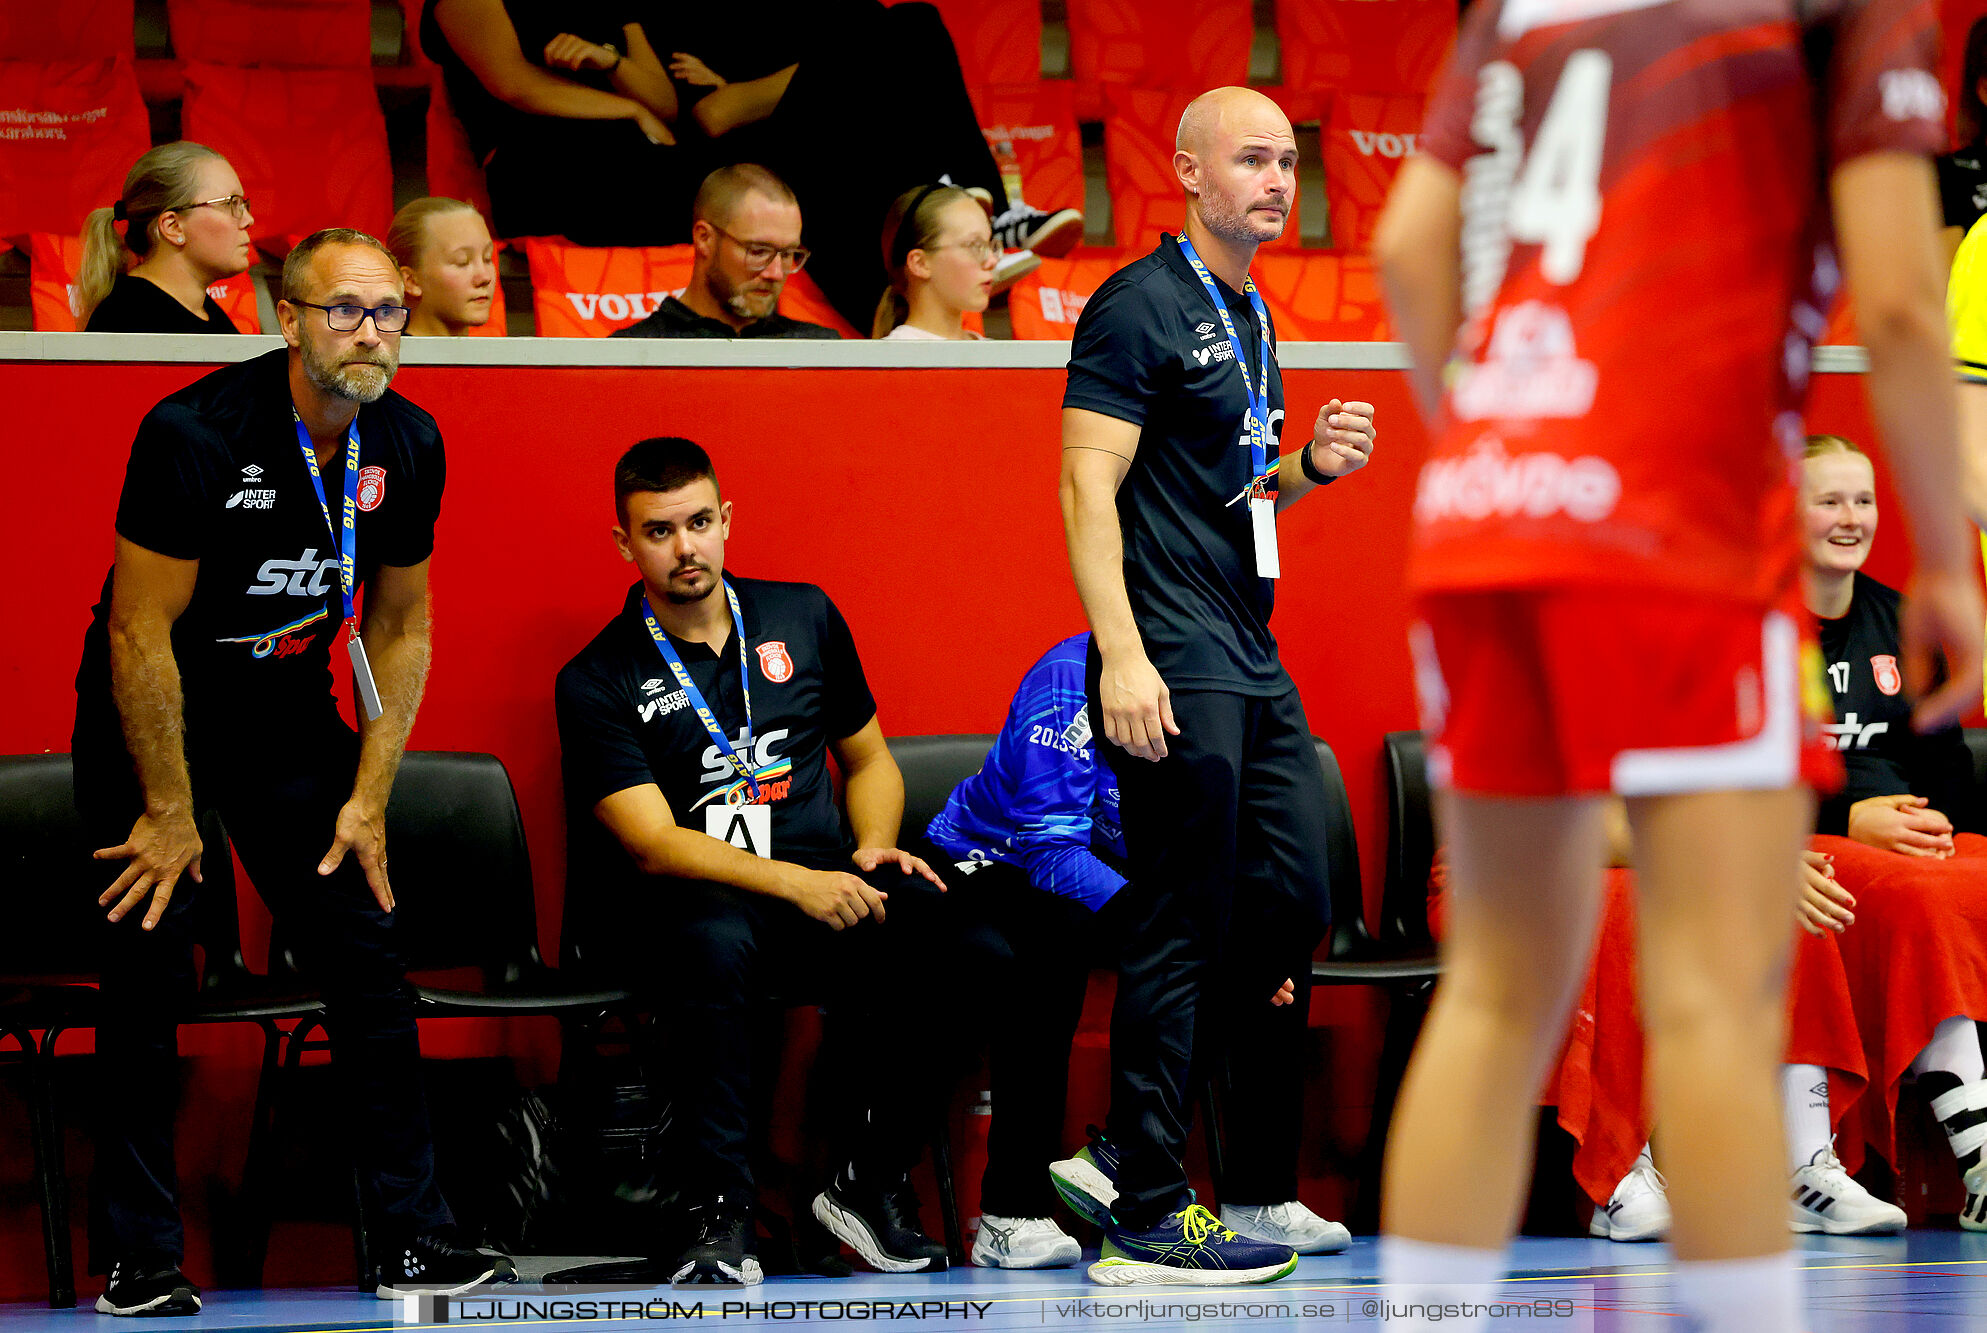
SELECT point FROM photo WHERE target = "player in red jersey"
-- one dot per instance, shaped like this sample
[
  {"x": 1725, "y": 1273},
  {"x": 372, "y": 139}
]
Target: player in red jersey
[{"x": 1619, "y": 240}]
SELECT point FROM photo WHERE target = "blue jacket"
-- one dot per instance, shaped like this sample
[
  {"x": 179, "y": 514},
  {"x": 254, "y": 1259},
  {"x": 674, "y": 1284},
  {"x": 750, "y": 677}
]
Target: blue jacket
[{"x": 1044, "y": 797}]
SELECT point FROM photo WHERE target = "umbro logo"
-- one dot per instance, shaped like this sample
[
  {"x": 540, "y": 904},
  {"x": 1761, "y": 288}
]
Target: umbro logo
[
  {"x": 250, "y": 473},
  {"x": 653, "y": 684},
  {"x": 1205, "y": 331}
]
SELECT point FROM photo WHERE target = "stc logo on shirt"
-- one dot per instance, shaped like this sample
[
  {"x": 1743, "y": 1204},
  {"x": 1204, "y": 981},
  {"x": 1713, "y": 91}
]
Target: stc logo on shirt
[{"x": 306, "y": 576}]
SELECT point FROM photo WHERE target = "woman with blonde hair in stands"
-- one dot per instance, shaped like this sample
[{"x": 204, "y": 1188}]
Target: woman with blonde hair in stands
[
  {"x": 939, "y": 250},
  {"x": 186, "y": 224},
  {"x": 448, "y": 264}
]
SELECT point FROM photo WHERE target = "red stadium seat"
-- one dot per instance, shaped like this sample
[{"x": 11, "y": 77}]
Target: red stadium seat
[
  {"x": 999, "y": 41},
  {"x": 309, "y": 144},
  {"x": 580, "y": 291},
  {"x": 295, "y": 34},
  {"x": 1044, "y": 305},
  {"x": 66, "y": 30},
  {"x": 802, "y": 299},
  {"x": 1140, "y": 126},
  {"x": 1038, "y": 122},
  {"x": 54, "y": 261},
  {"x": 1197, "y": 44},
  {"x": 1319, "y": 297},
  {"x": 1332, "y": 46},
  {"x": 69, "y": 131},
  {"x": 1366, "y": 138}
]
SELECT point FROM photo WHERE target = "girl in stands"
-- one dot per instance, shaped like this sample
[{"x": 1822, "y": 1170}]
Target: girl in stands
[
  {"x": 939, "y": 250},
  {"x": 448, "y": 264},
  {"x": 185, "y": 223}
]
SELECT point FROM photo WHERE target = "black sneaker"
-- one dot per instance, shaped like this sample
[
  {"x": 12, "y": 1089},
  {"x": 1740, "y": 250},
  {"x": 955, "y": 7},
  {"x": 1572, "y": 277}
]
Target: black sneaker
[
  {"x": 1050, "y": 235},
  {"x": 434, "y": 1265},
  {"x": 146, "y": 1290},
  {"x": 879, "y": 1221},
  {"x": 717, "y": 1257}
]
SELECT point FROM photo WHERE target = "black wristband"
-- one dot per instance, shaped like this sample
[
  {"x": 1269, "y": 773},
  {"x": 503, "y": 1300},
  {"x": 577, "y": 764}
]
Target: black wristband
[{"x": 1304, "y": 461}]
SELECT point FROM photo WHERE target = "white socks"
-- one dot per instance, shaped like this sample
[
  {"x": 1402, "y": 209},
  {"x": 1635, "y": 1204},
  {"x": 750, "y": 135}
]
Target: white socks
[
  {"x": 1954, "y": 1049},
  {"x": 1760, "y": 1295},
  {"x": 1804, "y": 1096},
  {"x": 1416, "y": 1272}
]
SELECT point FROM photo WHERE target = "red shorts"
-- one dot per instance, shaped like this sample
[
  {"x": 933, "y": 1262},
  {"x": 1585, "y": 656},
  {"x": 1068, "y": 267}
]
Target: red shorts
[{"x": 1568, "y": 692}]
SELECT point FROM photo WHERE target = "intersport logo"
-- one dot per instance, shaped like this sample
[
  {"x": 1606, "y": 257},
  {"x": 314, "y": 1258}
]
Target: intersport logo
[
  {"x": 618, "y": 305},
  {"x": 1370, "y": 142}
]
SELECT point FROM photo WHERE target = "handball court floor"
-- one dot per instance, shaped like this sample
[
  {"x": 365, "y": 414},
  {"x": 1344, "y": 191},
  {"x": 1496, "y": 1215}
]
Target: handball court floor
[{"x": 1929, "y": 1280}]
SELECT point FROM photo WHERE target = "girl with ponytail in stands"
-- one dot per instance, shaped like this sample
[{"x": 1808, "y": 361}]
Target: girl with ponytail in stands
[
  {"x": 448, "y": 264},
  {"x": 185, "y": 221},
  {"x": 939, "y": 250}
]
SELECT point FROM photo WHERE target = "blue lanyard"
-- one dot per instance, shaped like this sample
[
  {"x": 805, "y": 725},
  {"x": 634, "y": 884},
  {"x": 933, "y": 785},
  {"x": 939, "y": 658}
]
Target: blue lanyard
[
  {"x": 345, "y": 542},
  {"x": 696, "y": 696},
  {"x": 1258, "y": 399}
]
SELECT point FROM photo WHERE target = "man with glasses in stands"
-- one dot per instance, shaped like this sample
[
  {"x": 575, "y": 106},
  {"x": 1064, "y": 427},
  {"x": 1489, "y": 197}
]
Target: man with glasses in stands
[
  {"x": 745, "y": 228},
  {"x": 257, "y": 501}
]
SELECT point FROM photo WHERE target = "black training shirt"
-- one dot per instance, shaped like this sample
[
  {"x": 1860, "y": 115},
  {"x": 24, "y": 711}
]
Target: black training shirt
[
  {"x": 139, "y": 305},
  {"x": 1963, "y": 185},
  {"x": 216, "y": 475},
  {"x": 624, "y": 722},
  {"x": 1151, "y": 350},
  {"x": 1883, "y": 755},
  {"x": 673, "y": 319}
]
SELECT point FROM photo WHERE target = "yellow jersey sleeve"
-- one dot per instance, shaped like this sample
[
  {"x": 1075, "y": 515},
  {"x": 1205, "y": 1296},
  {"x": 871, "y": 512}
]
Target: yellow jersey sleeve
[{"x": 1966, "y": 305}]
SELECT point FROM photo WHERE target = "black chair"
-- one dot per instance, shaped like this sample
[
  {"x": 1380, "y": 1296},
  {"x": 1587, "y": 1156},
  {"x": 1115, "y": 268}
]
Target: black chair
[
  {"x": 1402, "y": 959},
  {"x": 49, "y": 954},
  {"x": 464, "y": 903}
]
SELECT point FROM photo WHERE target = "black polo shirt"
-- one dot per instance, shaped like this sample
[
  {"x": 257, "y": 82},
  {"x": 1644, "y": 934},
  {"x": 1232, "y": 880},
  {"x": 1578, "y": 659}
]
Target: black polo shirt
[
  {"x": 1151, "y": 350},
  {"x": 216, "y": 475},
  {"x": 139, "y": 305},
  {"x": 673, "y": 319},
  {"x": 624, "y": 722}
]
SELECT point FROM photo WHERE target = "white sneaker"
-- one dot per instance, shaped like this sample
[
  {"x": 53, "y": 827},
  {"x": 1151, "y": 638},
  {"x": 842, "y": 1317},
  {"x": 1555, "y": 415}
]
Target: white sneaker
[
  {"x": 1639, "y": 1208},
  {"x": 1023, "y": 1242},
  {"x": 1289, "y": 1224},
  {"x": 1973, "y": 1214},
  {"x": 1013, "y": 267},
  {"x": 1825, "y": 1199}
]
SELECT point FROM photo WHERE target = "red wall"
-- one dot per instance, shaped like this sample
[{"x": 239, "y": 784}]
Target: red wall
[{"x": 924, "y": 501}]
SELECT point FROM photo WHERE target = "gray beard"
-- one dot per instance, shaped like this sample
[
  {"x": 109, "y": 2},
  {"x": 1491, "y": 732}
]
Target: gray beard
[{"x": 334, "y": 380}]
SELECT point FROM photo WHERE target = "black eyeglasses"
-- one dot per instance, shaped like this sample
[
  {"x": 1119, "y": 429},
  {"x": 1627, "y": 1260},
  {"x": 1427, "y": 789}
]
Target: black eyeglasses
[
  {"x": 347, "y": 318},
  {"x": 758, "y": 254},
  {"x": 235, "y": 205}
]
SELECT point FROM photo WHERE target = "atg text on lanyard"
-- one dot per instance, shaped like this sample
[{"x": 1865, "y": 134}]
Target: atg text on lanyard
[
  {"x": 741, "y": 764},
  {"x": 1262, "y": 505},
  {"x": 345, "y": 540}
]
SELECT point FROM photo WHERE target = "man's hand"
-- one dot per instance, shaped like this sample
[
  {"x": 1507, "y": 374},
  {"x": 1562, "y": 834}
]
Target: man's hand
[
  {"x": 572, "y": 53},
  {"x": 1138, "y": 708},
  {"x": 651, "y": 125},
  {"x": 1905, "y": 824},
  {"x": 1285, "y": 994},
  {"x": 868, "y": 858},
  {"x": 1342, "y": 441},
  {"x": 361, "y": 830},
  {"x": 835, "y": 898},
  {"x": 158, "y": 851},
  {"x": 1942, "y": 618},
  {"x": 686, "y": 68},
  {"x": 1825, "y": 905}
]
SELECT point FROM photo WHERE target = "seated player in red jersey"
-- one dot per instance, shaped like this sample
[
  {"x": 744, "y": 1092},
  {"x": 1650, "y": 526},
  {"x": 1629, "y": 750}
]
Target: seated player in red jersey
[{"x": 1604, "y": 562}]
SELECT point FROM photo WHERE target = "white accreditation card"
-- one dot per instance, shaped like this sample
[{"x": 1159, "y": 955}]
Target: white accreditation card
[
  {"x": 362, "y": 676},
  {"x": 749, "y": 828},
  {"x": 1262, "y": 517}
]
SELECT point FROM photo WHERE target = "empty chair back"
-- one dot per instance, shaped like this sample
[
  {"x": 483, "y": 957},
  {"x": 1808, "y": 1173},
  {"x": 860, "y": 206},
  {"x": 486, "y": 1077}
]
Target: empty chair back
[
  {"x": 1348, "y": 933},
  {"x": 933, "y": 766},
  {"x": 1410, "y": 841}
]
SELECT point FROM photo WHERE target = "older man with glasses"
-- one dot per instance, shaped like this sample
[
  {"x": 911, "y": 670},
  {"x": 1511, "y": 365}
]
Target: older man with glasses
[
  {"x": 256, "y": 502},
  {"x": 745, "y": 228}
]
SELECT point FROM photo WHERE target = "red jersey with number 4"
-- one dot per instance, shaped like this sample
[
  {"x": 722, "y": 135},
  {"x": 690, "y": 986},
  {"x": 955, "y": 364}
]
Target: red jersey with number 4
[{"x": 1646, "y": 262}]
